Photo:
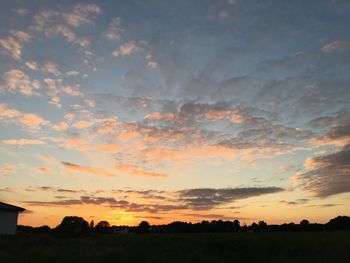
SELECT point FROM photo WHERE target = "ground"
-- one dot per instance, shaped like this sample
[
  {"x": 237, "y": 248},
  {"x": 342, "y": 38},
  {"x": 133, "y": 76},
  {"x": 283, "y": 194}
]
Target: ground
[{"x": 157, "y": 248}]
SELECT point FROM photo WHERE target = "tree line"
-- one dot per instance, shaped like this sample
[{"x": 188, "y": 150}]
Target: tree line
[{"x": 78, "y": 226}]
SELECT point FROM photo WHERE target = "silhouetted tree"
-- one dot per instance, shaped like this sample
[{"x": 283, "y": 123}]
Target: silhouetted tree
[
  {"x": 262, "y": 226},
  {"x": 339, "y": 223},
  {"x": 102, "y": 227},
  {"x": 143, "y": 227},
  {"x": 236, "y": 226},
  {"x": 304, "y": 222},
  {"x": 92, "y": 224},
  {"x": 103, "y": 224},
  {"x": 72, "y": 226},
  {"x": 254, "y": 227}
]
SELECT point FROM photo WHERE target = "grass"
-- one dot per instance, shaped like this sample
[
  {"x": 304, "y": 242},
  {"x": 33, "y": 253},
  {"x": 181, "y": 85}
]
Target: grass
[{"x": 158, "y": 248}]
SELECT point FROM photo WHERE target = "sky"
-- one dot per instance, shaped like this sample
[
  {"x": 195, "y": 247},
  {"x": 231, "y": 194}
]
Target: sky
[{"x": 175, "y": 110}]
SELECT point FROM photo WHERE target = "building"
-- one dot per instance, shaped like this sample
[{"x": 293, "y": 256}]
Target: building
[{"x": 8, "y": 218}]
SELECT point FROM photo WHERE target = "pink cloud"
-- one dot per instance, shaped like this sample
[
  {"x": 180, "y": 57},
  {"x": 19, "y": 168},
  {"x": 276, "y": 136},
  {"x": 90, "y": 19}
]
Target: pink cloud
[{"x": 21, "y": 142}]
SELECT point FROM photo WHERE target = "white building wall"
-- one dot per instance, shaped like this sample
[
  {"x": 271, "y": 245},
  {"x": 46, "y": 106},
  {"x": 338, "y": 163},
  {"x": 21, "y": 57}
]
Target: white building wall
[{"x": 8, "y": 222}]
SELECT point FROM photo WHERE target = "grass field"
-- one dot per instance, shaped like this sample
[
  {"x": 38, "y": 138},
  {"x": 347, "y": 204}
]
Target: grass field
[{"x": 308, "y": 247}]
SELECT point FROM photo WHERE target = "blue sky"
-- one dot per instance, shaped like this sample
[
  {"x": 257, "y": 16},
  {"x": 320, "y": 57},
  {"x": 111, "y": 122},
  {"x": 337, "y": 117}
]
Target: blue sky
[{"x": 181, "y": 110}]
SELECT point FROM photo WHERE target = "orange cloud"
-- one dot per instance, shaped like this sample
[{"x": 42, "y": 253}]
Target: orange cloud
[
  {"x": 8, "y": 113},
  {"x": 72, "y": 91},
  {"x": 106, "y": 126},
  {"x": 17, "y": 81},
  {"x": 82, "y": 145},
  {"x": 82, "y": 124},
  {"x": 165, "y": 116},
  {"x": 62, "y": 126},
  {"x": 128, "y": 135},
  {"x": 48, "y": 67},
  {"x": 45, "y": 170},
  {"x": 69, "y": 116},
  {"x": 106, "y": 148},
  {"x": 29, "y": 120},
  {"x": 87, "y": 169},
  {"x": 138, "y": 171},
  {"x": 49, "y": 159},
  {"x": 310, "y": 163},
  {"x": 214, "y": 115},
  {"x": 328, "y": 140},
  {"x": 7, "y": 169},
  {"x": 32, "y": 121},
  {"x": 185, "y": 154},
  {"x": 14, "y": 43},
  {"x": 20, "y": 142},
  {"x": 126, "y": 49}
]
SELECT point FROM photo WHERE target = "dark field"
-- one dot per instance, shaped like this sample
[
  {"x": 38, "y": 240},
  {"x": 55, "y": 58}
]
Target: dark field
[{"x": 234, "y": 247}]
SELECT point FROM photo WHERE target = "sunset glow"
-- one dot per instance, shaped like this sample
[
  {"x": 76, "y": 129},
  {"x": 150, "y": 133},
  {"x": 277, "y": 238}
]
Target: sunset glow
[{"x": 175, "y": 110}]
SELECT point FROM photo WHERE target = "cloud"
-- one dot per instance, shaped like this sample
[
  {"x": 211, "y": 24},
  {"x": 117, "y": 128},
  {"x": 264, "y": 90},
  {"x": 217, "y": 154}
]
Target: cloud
[
  {"x": 32, "y": 121},
  {"x": 72, "y": 91},
  {"x": 21, "y": 11},
  {"x": 72, "y": 73},
  {"x": 126, "y": 49},
  {"x": 47, "y": 67},
  {"x": 61, "y": 126},
  {"x": 82, "y": 124},
  {"x": 300, "y": 201},
  {"x": 330, "y": 47},
  {"x": 183, "y": 200},
  {"x": 53, "y": 189},
  {"x": 190, "y": 112},
  {"x": 114, "y": 30},
  {"x": 146, "y": 194},
  {"x": 64, "y": 31},
  {"x": 14, "y": 43},
  {"x": 338, "y": 132},
  {"x": 214, "y": 217},
  {"x": 69, "y": 116},
  {"x": 6, "y": 170},
  {"x": 326, "y": 175},
  {"x": 8, "y": 113},
  {"x": 55, "y": 87},
  {"x": 16, "y": 80},
  {"x": 48, "y": 159},
  {"x": 183, "y": 132},
  {"x": 90, "y": 103},
  {"x": 54, "y": 203},
  {"x": 142, "y": 171},
  {"x": 151, "y": 61},
  {"x": 77, "y": 16},
  {"x": 132, "y": 47},
  {"x": 104, "y": 148},
  {"x": 215, "y": 115},
  {"x": 64, "y": 22},
  {"x": 45, "y": 170},
  {"x": 89, "y": 200},
  {"x": 21, "y": 142},
  {"x": 80, "y": 14},
  {"x": 84, "y": 145},
  {"x": 29, "y": 120},
  {"x": 87, "y": 169},
  {"x": 208, "y": 198}
]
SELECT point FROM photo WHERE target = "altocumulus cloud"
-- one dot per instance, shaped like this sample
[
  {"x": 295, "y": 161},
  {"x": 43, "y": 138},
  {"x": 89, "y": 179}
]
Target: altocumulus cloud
[
  {"x": 199, "y": 199},
  {"x": 86, "y": 169},
  {"x": 207, "y": 198},
  {"x": 327, "y": 174}
]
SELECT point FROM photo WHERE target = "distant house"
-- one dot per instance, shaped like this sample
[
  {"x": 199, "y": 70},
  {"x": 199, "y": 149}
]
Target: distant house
[{"x": 8, "y": 218}]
